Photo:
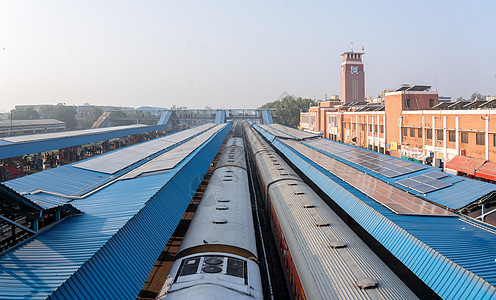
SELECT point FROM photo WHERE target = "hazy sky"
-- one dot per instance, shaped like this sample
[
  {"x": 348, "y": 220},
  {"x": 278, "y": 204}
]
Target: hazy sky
[{"x": 237, "y": 54}]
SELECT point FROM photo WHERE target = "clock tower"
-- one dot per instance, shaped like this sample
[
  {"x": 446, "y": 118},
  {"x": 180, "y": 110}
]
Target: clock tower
[{"x": 352, "y": 77}]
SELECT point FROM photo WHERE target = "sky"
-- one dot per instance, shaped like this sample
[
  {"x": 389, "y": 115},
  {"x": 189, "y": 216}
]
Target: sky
[{"x": 237, "y": 54}]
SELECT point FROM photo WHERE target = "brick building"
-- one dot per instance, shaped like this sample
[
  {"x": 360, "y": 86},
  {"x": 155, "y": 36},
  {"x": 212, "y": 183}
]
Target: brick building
[{"x": 413, "y": 125}]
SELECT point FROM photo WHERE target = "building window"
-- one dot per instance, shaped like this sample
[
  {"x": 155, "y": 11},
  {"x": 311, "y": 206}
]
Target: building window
[
  {"x": 480, "y": 139},
  {"x": 464, "y": 137},
  {"x": 494, "y": 140},
  {"x": 419, "y": 132},
  {"x": 439, "y": 135},
  {"x": 412, "y": 132},
  {"x": 429, "y": 134},
  {"x": 451, "y": 136},
  {"x": 363, "y": 127},
  {"x": 375, "y": 128},
  {"x": 431, "y": 102},
  {"x": 407, "y": 103},
  {"x": 354, "y": 126},
  {"x": 382, "y": 129},
  {"x": 405, "y": 131}
]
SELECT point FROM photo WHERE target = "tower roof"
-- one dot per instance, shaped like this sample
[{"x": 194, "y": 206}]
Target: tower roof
[{"x": 350, "y": 52}]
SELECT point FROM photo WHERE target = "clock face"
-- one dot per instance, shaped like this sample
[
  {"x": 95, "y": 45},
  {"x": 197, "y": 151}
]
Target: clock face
[{"x": 354, "y": 70}]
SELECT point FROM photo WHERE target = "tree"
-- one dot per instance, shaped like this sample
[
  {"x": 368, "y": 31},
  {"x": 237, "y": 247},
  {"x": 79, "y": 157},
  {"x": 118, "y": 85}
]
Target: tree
[
  {"x": 27, "y": 113},
  {"x": 60, "y": 112},
  {"x": 477, "y": 96},
  {"x": 92, "y": 116},
  {"x": 287, "y": 109}
]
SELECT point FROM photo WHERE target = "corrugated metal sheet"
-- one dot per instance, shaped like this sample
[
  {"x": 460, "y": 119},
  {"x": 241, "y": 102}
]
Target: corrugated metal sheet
[
  {"x": 465, "y": 164},
  {"x": 101, "y": 134},
  {"x": 220, "y": 116},
  {"x": 117, "y": 160},
  {"x": 101, "y": 254},
  {"x": 65, "y": 134},
  {"x": 71, "y": 181},
  {"x": 171, "y": 158},
  {"x": 299, "y": 134},
  {"x": 65, "y": 180},
  {"x": 338, "y": 269},
  {"x": 453, "y": 256},
  {"x": 276, "y": 133},
  {"x": 164, "y": 118},
  {"x": 267, "y": 117},
  {"x": 393, "y": 198},
  {"x": 488, "y": 171},
  {"x": 462, "y": 192}
]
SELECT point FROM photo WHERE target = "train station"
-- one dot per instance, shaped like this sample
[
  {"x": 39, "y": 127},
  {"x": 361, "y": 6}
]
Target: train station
[{"x": 239, "y": 207}]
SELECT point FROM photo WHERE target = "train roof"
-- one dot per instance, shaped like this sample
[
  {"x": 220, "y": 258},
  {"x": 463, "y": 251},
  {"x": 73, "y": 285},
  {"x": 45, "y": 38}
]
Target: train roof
[
  {"x": 223, "y": 216},
  {"x": 321, "y": 243}
]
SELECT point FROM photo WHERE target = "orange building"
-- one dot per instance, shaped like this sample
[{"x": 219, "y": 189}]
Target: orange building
[{"x": 413, "y": 125}]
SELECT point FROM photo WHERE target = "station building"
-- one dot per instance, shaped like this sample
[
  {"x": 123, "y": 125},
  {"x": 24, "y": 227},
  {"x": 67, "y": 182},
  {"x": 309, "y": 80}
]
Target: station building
[{"x": 412, "y": 123}]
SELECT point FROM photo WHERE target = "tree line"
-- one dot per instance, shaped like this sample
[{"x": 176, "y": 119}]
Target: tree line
[
  {"x": 61, "y": 112},
  {"x": 286, "y": 111}
]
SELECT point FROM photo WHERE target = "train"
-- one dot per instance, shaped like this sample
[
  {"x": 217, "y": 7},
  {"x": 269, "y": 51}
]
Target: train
[
  {"x": 218, "y": 256},
  {"x": 321, "y": 256}
]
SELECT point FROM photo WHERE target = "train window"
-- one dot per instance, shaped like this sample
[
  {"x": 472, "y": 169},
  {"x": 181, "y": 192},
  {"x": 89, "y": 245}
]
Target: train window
[
  {"x": 236, "y": 267},
  {"x": 189, "y": 266}
]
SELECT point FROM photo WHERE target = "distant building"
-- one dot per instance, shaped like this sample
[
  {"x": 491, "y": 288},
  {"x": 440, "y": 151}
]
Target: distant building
[
  {"x": 156, "y": 111},
  {"x": 413, "y": 125},
  {"x": 83, "y": 110},
  {"x": 21, "y": 127},
  {"x": 443, "y": 99}
]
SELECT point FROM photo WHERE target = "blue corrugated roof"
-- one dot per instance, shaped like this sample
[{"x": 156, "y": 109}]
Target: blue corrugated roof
[
  {"x": 72, "y": 138},
  {"x": 164, "y": 118},
  {"x": 220, "y": 116},
  {"x": 453, "y": 256},
  {"x": 65, "y": 180},
  {"x": 107, "y": 252},
  {"x": 71, "y": 181},
  {"x": 462, "y": 192},
  {"x": 267, "y": 117}
]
